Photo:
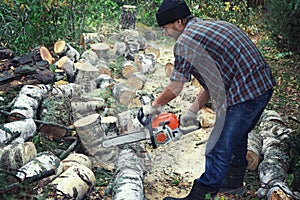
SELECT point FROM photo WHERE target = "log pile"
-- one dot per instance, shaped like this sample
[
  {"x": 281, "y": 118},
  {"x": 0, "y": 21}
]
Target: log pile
[{"x": 65, "y": 102}]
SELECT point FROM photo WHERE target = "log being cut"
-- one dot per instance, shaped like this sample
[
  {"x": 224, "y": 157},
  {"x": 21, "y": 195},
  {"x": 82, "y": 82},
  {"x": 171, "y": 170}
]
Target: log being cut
[{"x": 128, "y": 177}]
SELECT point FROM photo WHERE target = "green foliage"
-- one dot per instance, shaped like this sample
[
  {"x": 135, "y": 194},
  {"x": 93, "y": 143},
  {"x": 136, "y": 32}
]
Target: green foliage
[
  {"x": 283, "y": 22},
  {"x": 236, "y": 11}
]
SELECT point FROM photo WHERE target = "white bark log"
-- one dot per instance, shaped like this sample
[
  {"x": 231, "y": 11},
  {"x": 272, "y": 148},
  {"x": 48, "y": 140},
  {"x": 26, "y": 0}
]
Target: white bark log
[
  {"x": 102, "y": 50},
  {"x": 60, "y": 47},
  {"x": 128, "y": 121},
  {"x": 128, "y": 68},
  {"x": 273, "y": 169},
  {"x": 74, "y": 183},
  {"x": 76, "y": 159},
  {"x": 72, "y": 53},
  {"x": 44, "y": 165},
  {"x": 103, "y": 69},
  {"x": 14, "y": 156},
  {"x": 26, "y": 103},
  {"x": 67, "y": 65},
  {"x": 90, "y": 56},
  {"x": 123, "y": 93},
  {"x": 136, "y": 81},
  {"x": 128, "y": 178},
  {"x": 104, "y": 81},
  {"x": 91, "y": 135},
  {"x": 68, "y": 90},
  {"x": 87, "y": 39},
  {"x": 23, "y": 129},
  {"x": 146, "y": 62},
  {"x": 88, "y": 106},
  {"x": 152, "y": 49}
]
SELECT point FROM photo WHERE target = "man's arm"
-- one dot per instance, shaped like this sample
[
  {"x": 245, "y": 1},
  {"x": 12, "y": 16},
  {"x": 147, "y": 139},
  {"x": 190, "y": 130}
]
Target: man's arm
[
  {"x": 201, "y": 99},
  {"x": 171, "y": 91}
]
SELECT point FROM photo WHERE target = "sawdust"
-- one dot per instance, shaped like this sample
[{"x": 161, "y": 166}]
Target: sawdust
[{"x": 173, "y": 167}]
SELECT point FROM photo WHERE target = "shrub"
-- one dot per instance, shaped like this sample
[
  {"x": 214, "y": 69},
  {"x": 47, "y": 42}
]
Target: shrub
[{"x": 283, "y": 22}]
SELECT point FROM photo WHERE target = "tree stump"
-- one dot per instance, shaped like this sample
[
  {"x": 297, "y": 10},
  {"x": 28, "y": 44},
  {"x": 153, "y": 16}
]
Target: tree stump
[
  {"x": 128, "y": 17},
  {"x": 102, "y": 50}
]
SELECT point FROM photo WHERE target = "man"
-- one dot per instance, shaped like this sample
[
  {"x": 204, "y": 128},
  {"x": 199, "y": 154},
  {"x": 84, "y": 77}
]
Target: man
[{"x": 234, "y": 74}]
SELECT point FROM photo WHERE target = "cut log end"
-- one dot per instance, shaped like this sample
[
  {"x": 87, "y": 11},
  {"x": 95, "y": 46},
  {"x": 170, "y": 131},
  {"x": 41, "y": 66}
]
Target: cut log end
[{"x": 46, "y": 55}]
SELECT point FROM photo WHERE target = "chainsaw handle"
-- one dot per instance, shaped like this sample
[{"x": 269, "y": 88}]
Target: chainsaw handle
[{"x": 146, "y": 121}]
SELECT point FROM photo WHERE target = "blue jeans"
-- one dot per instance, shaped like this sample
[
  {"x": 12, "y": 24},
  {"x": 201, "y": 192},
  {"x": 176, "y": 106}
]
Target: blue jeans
[{"x": 231, "y": 145}]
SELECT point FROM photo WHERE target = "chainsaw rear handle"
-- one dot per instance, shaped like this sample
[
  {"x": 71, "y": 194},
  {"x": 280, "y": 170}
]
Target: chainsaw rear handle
[{"x": 146, "y": 121}]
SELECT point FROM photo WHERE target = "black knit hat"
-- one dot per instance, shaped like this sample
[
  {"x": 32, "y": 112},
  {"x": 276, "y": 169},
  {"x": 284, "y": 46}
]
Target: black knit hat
[{"x": 171, "y": 10}]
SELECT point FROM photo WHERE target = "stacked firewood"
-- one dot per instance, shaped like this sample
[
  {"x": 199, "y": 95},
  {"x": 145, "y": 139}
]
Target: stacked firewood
[{"x": 58, "y": 96}]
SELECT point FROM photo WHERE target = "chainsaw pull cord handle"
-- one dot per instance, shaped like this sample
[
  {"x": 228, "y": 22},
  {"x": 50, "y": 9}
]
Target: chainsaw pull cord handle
[{"x": 147, "y": 122}]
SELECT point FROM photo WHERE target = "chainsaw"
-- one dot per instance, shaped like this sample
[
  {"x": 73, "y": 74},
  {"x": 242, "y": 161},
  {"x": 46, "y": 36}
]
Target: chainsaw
[{"x": 160, "y": 130}]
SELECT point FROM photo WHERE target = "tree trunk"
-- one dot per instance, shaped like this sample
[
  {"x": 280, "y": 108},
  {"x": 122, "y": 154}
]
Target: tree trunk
[
  {"x": 91, "y": 135},
  {"x": 14, "y": 156},
  {"x": 64, "y": 49},
  {"x": 23, "y": 129},
  {"x": 55, "y": 109},
  {"x": 44, "y": 165},
  {"x": 122, "y": 93},
  {"x": 146, "y": 62},
  {"x": 136, "y": 81},
  {"x": 128, "y": 17},
  {"x": 26, "y": 103},
  {"x": 129, "y": 174},
  {"x": 74, "y": 183}
]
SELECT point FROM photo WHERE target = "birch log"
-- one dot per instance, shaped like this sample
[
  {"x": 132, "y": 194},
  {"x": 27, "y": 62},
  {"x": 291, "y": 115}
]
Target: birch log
[
  {"x": 14, "y": 156},
  {"x": 76, "y": 159},
  {"x": 129, "y": 174},
  {"x": 128, "y": 68},
  {"x": 273, "y": 169},
  {"x": 152, "y": 49},
  {"x": 67, "y": 65},
  {"x": 45, "y": 164},
  {"x": 128, "y": 17},
  {"x": 74, "y": 183},
  {"x": 46, "y": 55},
  {"x": 128, "y": 121},
  {"x": 86, "y": 39},
  {"x": 103, "y": 69},
  {"x": 102, "y": 50},
  {"x": 90, "y": 56},
  {"x": 254, "y": 149},
  {"x": 122, "y": 93},
  {"x": 62, "y": 48},
  {"x": 23, "y": 129},
  {"x": 91, "y": 135},
  {"x": 26, "y": 103},
  {"x": 104, "y": 81},
  {"x": 136, "y": 81},
  {"x": 146, "y": 62}
]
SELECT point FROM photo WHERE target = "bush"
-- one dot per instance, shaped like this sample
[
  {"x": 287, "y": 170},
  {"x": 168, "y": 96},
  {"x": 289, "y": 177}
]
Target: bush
[{"x": 283, "y": 22}]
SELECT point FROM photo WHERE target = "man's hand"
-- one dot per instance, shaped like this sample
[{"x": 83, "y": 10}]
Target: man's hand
[{"x": 189, "y": 119}]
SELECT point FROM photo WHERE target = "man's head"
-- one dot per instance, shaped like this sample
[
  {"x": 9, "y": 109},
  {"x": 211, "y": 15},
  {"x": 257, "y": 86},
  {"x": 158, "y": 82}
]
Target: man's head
[{"x": 170, "y": 11}]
